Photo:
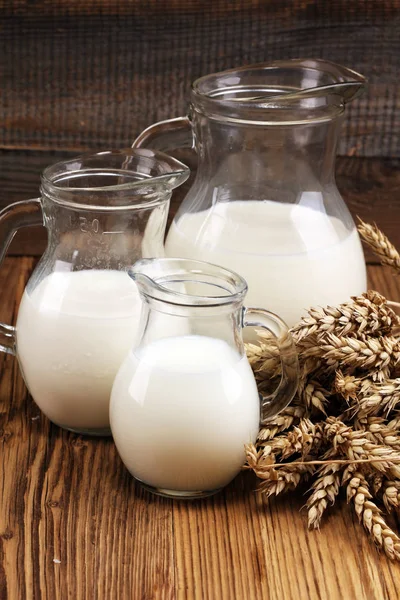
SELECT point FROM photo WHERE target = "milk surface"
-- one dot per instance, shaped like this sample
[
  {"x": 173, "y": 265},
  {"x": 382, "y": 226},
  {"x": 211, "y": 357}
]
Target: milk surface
[
  {"x": 181, "y": 410},
  {"x": 292, "y": 256},
  {"x": 73, "y": 333}
]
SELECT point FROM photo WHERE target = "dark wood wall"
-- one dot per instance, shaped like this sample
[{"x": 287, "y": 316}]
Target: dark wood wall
[
  {"x": 91, "y": 74},
  {"x": 78, "y": 74}
]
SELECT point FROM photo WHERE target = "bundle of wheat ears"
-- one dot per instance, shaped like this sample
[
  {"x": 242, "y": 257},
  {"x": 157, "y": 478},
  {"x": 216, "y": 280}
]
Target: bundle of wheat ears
[{"x": 342, "y": 430}]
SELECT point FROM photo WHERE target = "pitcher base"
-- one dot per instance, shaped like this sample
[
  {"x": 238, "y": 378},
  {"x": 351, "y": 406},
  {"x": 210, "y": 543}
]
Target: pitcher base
[
  {"x": 100, "y": 432},
  {"x": 178, "y": 494}
]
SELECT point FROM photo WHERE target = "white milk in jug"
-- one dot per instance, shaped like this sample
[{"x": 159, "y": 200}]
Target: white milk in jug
[
  {"x": 292, "y": 256},
  {"x": 182, "y": 409},
  {"x": 73, "y": 333}
]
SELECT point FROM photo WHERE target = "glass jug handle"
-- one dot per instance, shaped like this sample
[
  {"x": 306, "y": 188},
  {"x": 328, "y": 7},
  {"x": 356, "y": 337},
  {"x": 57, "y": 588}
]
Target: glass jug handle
[
  {"x": 271, "y": 405},
  {"x": 12, "y": 218},
  {"x": 166, "y": 135}
]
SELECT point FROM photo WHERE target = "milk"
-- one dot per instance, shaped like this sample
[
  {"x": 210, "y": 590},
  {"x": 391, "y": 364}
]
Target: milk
[
  {"x": 181, "y": 411},
  {"x": 73, "y": 333},
  {"x": 292, "y": 256}
]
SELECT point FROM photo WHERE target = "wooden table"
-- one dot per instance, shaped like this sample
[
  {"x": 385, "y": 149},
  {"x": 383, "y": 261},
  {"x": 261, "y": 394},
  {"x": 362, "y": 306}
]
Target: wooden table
[{"x": 73, "y": 524}]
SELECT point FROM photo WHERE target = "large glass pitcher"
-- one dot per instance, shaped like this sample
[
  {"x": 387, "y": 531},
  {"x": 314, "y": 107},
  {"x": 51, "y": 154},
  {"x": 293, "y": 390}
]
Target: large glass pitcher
[
  {"x": 80, "y": 310},
  {"x": 264, "y": 201},
  {"x": 185, "y": 402}
]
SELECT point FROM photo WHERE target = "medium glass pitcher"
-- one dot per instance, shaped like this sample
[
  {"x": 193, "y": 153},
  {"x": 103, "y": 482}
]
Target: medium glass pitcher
[
  {"x": 80, "y": 310},
  {"x": 264, "y": 201},
  {"x": 185, "y": 402}
]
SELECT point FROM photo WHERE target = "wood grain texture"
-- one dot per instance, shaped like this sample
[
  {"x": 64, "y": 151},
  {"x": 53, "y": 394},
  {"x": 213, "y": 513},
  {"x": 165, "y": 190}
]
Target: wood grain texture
[
  {"x": 74, "y": 525},
  {"x": 93, "y": 73},
  {"x": 286, "y": 8},
  {"x": 370, "y": 187}
]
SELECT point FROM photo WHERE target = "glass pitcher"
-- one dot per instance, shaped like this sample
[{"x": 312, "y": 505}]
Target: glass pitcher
[
  {"x": 80, "y": 309},
  {"x": 185, "y": 402},
  {"x": 264, "y": 201}
]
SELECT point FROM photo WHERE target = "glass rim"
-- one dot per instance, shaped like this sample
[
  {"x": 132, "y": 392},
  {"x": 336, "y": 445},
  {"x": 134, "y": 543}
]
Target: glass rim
[
  {"x": 274, "y": 103},
  {"x": 152, "y": 275},
  {"x": 155, "y": 174}
]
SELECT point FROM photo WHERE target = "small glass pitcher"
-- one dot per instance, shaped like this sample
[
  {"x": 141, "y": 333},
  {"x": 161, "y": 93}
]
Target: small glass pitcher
[
  {"x": 80, "y": 309},
  {"x": 185, "y": 402},
  {"x": 264, "y": 201}
]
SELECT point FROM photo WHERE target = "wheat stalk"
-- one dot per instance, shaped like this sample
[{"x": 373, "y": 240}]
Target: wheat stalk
[
  {"x": 288, "y": 417},
  {"x": 285, "y": 479},
  {"x": 391, "y": 494},
  {"x": 371, "y": 353},
  {"x": 313, "y": 395},
  {"x": 347, "y": 385},
  {"x": 264, "y": 357},
  {"x": 374, "y": 398},
  {"x": 368, "y": 314},
  {"x": 355, "y": 445},
  {"x": 325, "y": 488},
  {"x": 304, "y": 439},
  {"x": 380, "y": 244},
  {"x": 378, "y": 432},
  {"x": 371, "y": 516}
]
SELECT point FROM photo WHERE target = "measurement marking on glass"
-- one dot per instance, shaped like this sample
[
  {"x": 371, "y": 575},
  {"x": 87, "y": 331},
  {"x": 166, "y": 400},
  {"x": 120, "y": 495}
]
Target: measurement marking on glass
[{"x": 87, "y": 226}]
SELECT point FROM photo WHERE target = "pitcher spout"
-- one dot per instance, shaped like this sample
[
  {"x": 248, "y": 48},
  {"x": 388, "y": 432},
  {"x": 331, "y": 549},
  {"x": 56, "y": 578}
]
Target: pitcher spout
[
  {"x": 283, "y": 85},
  {"x": 326, "y": 77}
]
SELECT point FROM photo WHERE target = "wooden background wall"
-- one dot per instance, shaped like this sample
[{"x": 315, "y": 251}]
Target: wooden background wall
[
  {"x": 78, "y": 74},
  {"x": 91, "y": 74}
]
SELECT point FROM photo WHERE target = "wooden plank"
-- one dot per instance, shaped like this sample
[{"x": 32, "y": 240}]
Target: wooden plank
[
  {"x": 161, "y": 7},
  {"x": 91, "y": 74},
  {"x": 369, "y": 186},
  {"x": 73, "y": 524}
]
